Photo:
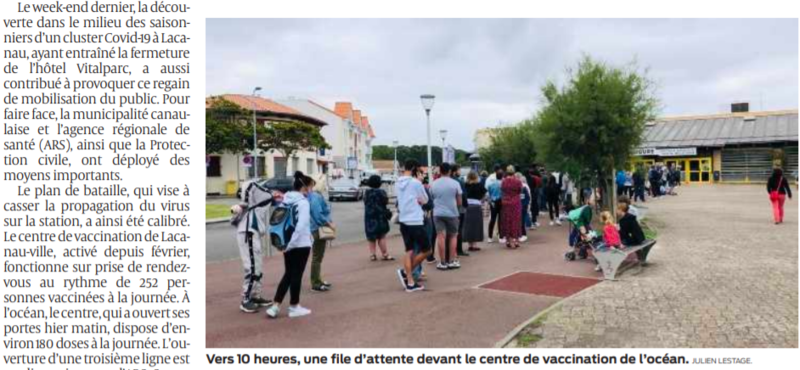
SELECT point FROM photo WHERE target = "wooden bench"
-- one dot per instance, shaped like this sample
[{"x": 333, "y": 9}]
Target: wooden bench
[{"x": 610, "y": 260}]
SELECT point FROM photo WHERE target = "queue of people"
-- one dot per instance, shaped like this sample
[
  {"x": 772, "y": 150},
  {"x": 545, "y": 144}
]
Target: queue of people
[{"x": 447, "y": 213}]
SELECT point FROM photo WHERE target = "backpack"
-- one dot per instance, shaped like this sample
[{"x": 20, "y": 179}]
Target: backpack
[
  {"x": 575, "y": 214},
  {"x": 282, "y": 224}
]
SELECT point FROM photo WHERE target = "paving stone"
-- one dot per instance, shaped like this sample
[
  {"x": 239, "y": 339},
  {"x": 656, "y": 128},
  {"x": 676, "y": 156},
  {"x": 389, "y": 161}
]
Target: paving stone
[{"x": 721, "y": 275}]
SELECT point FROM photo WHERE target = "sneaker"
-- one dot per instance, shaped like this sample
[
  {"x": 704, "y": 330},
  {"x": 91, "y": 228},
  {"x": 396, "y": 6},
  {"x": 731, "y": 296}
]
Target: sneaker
[
  {"x": 463, "y": 254},
  {"x": 558, "y": 222},
  {"x": 320, "y": 288},
  {"x": 298, "y": 311},
  {"x": 442, "y": 266},
  {"x": 249, "y": 307},
  {"x": 454, "y": 265},
  {"x": 551, "y": 223},
  {"x": 414, "y": 288},
  {"x": 536, "y": 224},
  {"x": 273, "y": 311},
  {"x": 261, "y": 302},
  {"x": 489, "y": 241},
  {"x": 401, "y": 275},
  {"x": 523, "y": 239},
  {"x": 597, "y": 268},
  {"x": 503, "y": 241}
]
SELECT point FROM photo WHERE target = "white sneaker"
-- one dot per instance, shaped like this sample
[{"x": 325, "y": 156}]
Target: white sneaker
[
  {"x": 454, "y": 265},
  {"x": 551, "y": 223},
  {"x": 523, "y": 239},
  {"x": 298, "y": 311},
  {"x": 503, "y": 241},
  {"x": 489, "y": 241},
  {"x": 558, "y": 222},
  {"x": 536, "y": 224},
  {"x": 273, "y": 311}
]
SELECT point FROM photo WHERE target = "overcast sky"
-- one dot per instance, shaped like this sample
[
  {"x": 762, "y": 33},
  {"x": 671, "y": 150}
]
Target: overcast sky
[{"x": 485, "y": 72}]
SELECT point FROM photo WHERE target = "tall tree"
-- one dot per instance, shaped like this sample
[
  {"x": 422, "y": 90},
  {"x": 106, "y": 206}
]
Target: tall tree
[
  {"x": 515, "y": 145},
  {"x": 596, "y": 118},
  {"x": 291, "y": 137},
  {"x": 226, "y": 128}
]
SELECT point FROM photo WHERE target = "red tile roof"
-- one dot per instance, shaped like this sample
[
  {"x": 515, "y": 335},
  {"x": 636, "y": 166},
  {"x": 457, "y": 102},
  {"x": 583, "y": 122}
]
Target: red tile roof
[
  {"x": 344, "y": 109},
  {"x": 264, "y": 106},
  {"x": 367, "y": 126},
  {"x": 357, "y": 118}
]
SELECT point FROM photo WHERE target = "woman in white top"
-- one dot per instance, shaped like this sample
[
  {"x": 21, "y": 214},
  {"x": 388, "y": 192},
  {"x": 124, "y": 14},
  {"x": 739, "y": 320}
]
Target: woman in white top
[{"x": 295, "y": 256}]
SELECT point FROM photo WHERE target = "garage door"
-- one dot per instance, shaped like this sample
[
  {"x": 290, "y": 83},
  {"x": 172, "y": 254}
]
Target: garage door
[
  {"x": 755, "y": 164},
  {"x": 746, "y": 164}
]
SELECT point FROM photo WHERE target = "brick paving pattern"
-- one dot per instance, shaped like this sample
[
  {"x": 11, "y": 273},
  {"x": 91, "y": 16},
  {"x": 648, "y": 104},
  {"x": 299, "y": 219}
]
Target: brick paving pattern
[{"x": 721, "y": 275}]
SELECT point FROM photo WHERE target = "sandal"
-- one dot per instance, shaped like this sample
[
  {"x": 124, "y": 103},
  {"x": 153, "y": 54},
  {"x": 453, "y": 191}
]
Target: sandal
[
  {"x": 387, "y": 257},
  {"x": 373, "y": 258}
]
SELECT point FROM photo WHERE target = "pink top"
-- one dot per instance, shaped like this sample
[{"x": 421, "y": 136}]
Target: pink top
[{"x": 611, "y": 236}]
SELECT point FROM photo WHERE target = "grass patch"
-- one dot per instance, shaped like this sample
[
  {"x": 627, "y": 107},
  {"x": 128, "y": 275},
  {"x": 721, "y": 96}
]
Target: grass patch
[
  {"x": 217, "y": 211},
  {"x": 529, "y": 335},
  {"x": 649, "y": 231},
  {"x": 526, "y": 339}
]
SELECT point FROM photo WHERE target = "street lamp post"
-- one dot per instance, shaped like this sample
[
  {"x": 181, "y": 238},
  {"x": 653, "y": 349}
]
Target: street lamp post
[
  {"x": 255, "y": 138},
  {"x": 394, "y": 164},
  {"x": 427, "y": 104},
  {"x": 443, "y": 134}
]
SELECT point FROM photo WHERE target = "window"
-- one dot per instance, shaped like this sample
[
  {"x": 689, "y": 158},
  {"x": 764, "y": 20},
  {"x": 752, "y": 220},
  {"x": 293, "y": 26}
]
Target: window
[
  {"x": 213, "y": 169},
  {"x": 309, "y": 166},
  {"x": 295, "y": 164},
  {"x": 262, "y": 168}
]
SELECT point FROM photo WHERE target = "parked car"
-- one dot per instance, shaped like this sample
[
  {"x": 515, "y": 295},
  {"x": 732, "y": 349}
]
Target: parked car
[
  {"x": 365, "y": 175},
  {"x": 344, "y": 188},
  {"x": 282, "y": 184},
  {"x": 388, "y": 178}
]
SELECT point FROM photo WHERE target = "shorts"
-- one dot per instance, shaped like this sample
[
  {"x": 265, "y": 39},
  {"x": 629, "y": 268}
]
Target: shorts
[
  {"x": 415, "y": 235},
  {"x": 446, "y": 224}
]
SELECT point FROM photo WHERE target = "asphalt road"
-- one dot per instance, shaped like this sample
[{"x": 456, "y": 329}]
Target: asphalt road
[{"x": 347, "y": 215}]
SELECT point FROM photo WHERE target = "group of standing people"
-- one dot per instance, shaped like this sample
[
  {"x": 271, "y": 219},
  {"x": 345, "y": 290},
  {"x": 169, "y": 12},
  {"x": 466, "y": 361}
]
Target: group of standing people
[{"x": 310, "y": 213}]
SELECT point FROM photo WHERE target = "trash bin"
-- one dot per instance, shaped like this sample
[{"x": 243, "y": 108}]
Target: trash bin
[
  {"x": 716, "y": 176},
  {"x": 231, "y": 187}
]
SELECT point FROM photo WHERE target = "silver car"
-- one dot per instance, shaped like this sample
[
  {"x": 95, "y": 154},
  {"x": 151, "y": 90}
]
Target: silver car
[{"x": 344, "y": 188}]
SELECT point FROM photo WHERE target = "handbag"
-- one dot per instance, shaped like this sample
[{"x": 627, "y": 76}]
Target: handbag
[
  {"x": 327, "y": 233},
  {"x": 388, "y": 214},
  {"x": 775, "y": 194}
]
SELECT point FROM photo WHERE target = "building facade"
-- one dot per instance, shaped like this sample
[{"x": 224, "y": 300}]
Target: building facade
[
  {"x": 225, "y": 171},
  {"x": 740, "y": 147}
]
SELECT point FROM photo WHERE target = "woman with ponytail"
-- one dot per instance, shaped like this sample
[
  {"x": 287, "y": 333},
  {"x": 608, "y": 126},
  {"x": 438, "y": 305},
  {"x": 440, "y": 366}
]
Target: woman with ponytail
[{"x": 295, "y": 256}]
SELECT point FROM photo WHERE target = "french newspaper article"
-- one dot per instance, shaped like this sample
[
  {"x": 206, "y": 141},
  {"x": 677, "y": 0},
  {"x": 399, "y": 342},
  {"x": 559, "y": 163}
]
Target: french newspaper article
[{"x": 238, "y": 184}]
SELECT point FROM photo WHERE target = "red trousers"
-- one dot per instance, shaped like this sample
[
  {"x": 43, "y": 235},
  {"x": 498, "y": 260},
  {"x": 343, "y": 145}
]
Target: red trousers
[{"x": 777, "y": 207}]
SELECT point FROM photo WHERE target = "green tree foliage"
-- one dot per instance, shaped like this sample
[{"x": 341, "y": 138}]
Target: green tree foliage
[
  {"x": 290, "y": 137},
  {"x": 596, "y": 119},
  {"x": 227, "y": 128},
  {"x": 417, "y": 152},
  {"x": 515, "y": 145}
]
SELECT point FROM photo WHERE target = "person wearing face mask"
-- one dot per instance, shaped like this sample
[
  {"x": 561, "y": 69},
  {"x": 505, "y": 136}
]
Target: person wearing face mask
[{"x": 295, "y": 256}]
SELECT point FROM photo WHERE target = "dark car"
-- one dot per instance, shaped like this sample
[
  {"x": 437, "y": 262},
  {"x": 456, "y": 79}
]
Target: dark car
[
  {"x": 282, "y": 184},
  {"x": 344, "y": 188}
]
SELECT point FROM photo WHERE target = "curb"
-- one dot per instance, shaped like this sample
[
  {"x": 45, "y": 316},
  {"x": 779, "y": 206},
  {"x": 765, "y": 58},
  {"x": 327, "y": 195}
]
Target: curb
[
  {"x": 217, "y": 220},
  {"x": 514, "y": 332}
]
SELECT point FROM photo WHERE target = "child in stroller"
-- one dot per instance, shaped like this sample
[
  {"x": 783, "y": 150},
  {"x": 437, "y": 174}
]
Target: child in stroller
[{"x": 581, "y": 236}]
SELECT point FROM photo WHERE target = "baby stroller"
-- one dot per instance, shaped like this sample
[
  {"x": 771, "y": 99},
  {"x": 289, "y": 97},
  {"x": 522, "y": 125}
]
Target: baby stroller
[{"x": 582, "y": 247}]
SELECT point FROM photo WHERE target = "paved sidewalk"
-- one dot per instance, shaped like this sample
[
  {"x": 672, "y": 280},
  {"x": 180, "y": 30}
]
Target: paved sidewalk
[
  {"x": 721, "y": 275},
  {"x": 368, "y": 308}
]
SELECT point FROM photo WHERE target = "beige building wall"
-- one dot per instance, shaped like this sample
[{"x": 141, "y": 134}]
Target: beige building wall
[{"x": 483, "y": 138}]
